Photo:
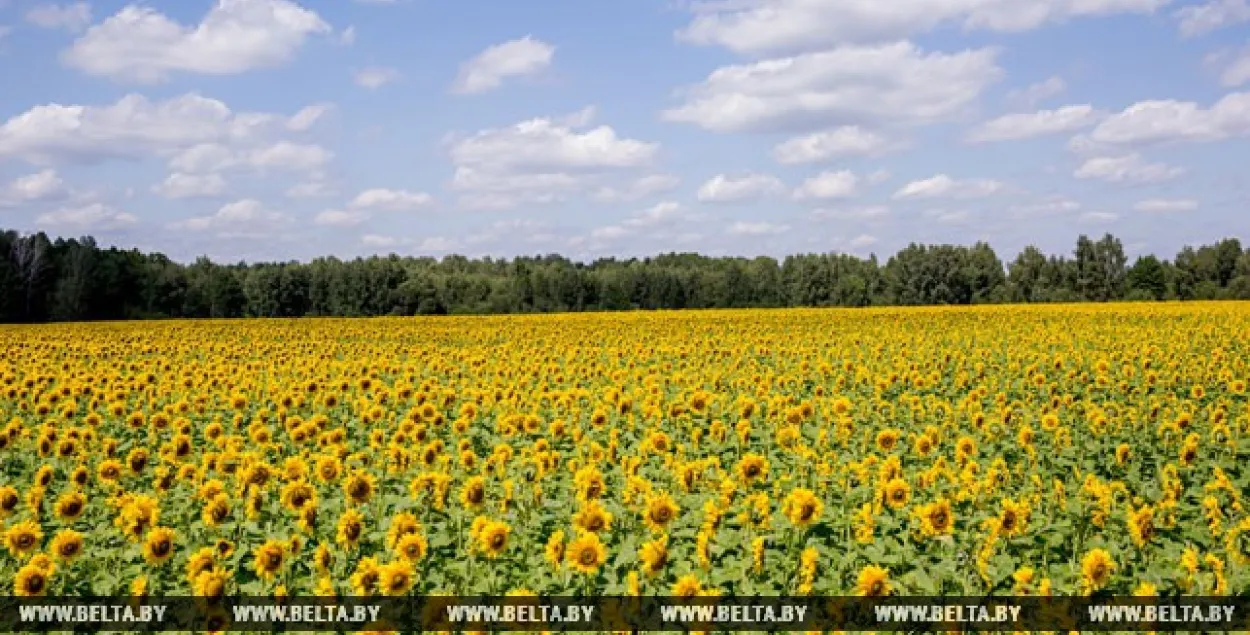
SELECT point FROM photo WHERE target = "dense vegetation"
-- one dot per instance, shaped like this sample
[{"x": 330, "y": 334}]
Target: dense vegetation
[{"x": 43, "y": 279}]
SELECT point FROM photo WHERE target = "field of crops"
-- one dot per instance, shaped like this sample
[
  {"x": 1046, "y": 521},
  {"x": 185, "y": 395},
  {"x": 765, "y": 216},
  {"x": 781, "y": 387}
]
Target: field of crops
[{"x": 1039, "y": 450}]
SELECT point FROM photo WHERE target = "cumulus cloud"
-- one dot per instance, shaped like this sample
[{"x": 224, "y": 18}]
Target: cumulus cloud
[
  {"x": 891, "y": 83},
  {"x": 827, "y": 185},
  {"x": 310, "y": 189},
  {"x": 724, "y": 188},
  {"x": 1197, "y": 19},
  {"x": 390, "y": 200},
  {"x": 871, "y": 212},
  {"x": 1158, "y": 205},
  {"x": 785, "y": 26},
  {"x": 245, "y": 218},
  {"x": 180, "y": 185},
  {"x": 514, "y": 58},
  {"x": 1129, "y": 169},
  {"x": 1018, "y": 126},
  {"x": 70, "y": 17},
  {"x": 1237, "y": 71},
  {"x": 1098, "y": 218},
  {"x": 824, "y": 145},
  {"x": 197, "y": 133},
  {"x": 1033, "y": 94},
  {"x": 92, "y": 217},
  {"x": 45, "y": 185},
  {"x": 760, "y": 228},
  {"x": 943, "y": 186},
  {"x": 540, "y": 160},
  {"x": 307, "y": 117},
  {"x": 639, "y": 188},
  {"x": 140, "y": 44},
  {"x": 1157, "y": 122},
  {"x": 341, "y": 218},
  {"x": 372, "y": 77}
]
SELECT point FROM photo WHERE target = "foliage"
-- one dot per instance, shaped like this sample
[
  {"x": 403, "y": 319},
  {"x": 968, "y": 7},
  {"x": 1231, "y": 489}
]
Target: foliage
[{"x": 42, "y": 280}]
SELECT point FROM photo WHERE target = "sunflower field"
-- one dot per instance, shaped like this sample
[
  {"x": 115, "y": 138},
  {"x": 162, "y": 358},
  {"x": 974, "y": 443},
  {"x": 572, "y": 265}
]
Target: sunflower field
[{"x": 1003, "y": 450}]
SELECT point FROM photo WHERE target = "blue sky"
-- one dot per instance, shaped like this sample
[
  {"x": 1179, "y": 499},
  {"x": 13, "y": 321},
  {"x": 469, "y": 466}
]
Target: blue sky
[{"x": 274, "y": 130}]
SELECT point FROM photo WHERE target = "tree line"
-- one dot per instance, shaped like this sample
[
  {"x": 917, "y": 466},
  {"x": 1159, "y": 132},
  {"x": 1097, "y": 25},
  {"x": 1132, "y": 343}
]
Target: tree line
[{"x": 42, "y": 279}]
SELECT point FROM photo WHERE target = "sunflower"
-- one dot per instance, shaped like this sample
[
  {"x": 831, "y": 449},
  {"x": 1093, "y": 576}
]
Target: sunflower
[
  {"x": 897, "y": 493},
  {"x": 660, "y": 512},
  {"x": 350, "y": 529},
  {"x": 269, "y": 558},
  {"x": 493, "y": 538},
  {"x": 66, "y": 545},
  {"x": 687, "y": 586},
  {"x": 158, "y": 546},
  {"x": 9, "y": 500},
  {"x": 412, "y": 547},
  {"x": 365, "y": 580},
  {"x": 203, "y": 560},
  {"x": 23, "y": 538},
  {"x": 210, "y": 583},
  {"x": 554, "y": 551},
  {"x": 1013, "y": 518},
  {"x": 586, "y": 553},
  {"x": 751, "y": 468},
  {"x": 887, "y": 439},
  {"x": 109, "y": 471},
  {"x": 593, "y": 517},
  {"x": 298, "y": 494},
  {"x": 216, "y": 511},
  {"x": 936, "y": 518},
  {"x": 654, "y": 555},
  {"x": 473, "y": 494},
  {"x": 360, "y": 486},
  {"x": 1097, "y": 568},
  {"x": 402, "y": 525},
  {"x": 802, "y": 507},
  {"x": 31, "y": 581},
  {"x": 396, "y": 578},
  {"x": 873, "y": 581},
  {"x": 1141, "y": 525},
  {"x": 328, "y": 468}
]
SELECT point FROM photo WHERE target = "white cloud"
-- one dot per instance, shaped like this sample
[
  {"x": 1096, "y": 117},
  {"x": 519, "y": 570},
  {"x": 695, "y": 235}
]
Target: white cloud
[
  {"x": 1098, "y": 218},
  {"x": 943, "y": 186},
  {"x": 861, "y": 241},
  {"x": 891, "y": 83},
  {"x": 772, "y": 26},
  {"x": 93, "y": 217},
  {"x": 724, "y": 188},
  {"x": 348, "y": 36},
  {"x": 1050, "y": 206},
  {"x": 1197, "y": 19},
  {"x": 439, "y": 244},
  {"x": 1128, "y": 169},
  {"x": 830, "y": 144},
  {"x": 640, "y": 188},
  {"x": 871, "y": 212},
  {"x": 374, "y": 76},
  {"x": 391, "y": 200},
  {"x": 181, "y": 185},
  {"x": 947, "y": 216},
  {"x": 378, "y": 240},
  {"x": 310, "y": 189},
  {"x": 878, "y": 177},
  {"x": 1170, "y": 121},
  {"x": 661, "y": 213},
  {"x": 1026, "y": 125},
  {"x": 44, "y": 185},
  {"x": 1156, "y": 205},
  {"x": 141, "y": 45},
  {"x": 340, "y": 218},
  {"x": 761, "y": 228},
  {"x": 514, "y": 58},
  {"x": 282, "y": 155},
  {"x": 71, "y": 17},
  {"x": 829, "y": 184},
  {"x": 245, "y": 218},
  {"x": 1236, "y": 72},
  {"x": 1034, "y": 94},
  {"x": 136, "y": 128},
  {"x": 307, "y": 117},
  {"x": 539, "y": 160}
]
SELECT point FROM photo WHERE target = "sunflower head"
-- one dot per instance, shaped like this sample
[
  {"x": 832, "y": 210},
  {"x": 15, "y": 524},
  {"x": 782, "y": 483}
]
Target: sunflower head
[
  {"x": 158, "y": 546},
  {"x": 586, "y": 553}
]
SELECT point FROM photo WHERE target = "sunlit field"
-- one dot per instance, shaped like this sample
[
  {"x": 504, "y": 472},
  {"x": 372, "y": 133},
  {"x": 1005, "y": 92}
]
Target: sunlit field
[{"x": 1007, "y": 450}]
